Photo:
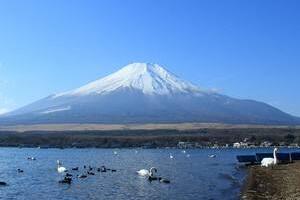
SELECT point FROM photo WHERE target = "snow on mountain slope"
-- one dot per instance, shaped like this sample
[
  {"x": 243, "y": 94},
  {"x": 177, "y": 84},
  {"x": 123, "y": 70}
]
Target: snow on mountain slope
[
  {"x": 145, "y": 93},
  {"x": 148, "y": 78},
  {"x": 56, "y": 110}
]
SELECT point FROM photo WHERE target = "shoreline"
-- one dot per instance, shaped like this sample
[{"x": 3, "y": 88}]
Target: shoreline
[
  {"x": 158, "y": 138},
  {"x": 280, "y": 182}
]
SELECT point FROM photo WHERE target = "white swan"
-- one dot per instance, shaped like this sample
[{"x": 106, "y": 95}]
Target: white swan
[
  {"x": 60, "y": 169},
  {"x": 171, "y": 156},
  {"x": 267, "y": 162},
  {"x": 145, "y": 172}
]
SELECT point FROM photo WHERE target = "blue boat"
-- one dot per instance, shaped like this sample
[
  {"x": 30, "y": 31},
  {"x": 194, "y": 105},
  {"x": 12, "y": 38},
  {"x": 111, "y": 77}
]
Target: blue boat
[
  {"x": 247, "y": 159},
  {"x": 285, "y": 157},
  {"x": 261, "y": 156},
  {"x": 295, "y": 155}
]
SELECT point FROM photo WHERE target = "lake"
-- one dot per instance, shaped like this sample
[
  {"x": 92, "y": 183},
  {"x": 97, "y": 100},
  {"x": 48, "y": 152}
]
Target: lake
[{"x": 193, "y": 174}]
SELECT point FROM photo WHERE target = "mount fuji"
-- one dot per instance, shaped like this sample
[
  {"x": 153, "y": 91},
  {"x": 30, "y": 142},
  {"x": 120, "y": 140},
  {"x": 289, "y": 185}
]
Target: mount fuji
[{"x": 145, "y": 93}]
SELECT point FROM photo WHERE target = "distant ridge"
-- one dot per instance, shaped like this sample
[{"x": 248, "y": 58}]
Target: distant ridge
[{"x": 145, "y": 93}]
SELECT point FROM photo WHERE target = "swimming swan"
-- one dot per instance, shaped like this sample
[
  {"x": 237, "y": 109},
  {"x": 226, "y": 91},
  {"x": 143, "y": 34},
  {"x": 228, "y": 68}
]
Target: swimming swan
[
  {"x": 145, "y": 172},
  {"x": 60, "y": 169},
  {"x": 267, "y": 162}
]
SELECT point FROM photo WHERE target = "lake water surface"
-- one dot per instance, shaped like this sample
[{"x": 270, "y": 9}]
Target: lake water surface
[{"x": 193, "y": 174}]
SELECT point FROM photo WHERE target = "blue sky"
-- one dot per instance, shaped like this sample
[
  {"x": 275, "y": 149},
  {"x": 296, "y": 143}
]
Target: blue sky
[{"x": 245, "y": 49}]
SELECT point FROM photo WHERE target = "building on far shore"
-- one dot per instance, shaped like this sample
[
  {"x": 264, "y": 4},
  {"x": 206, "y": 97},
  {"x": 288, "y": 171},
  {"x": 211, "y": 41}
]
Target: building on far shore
[
  {"x": 185, "y": 145},
  {"x": 240, "y": 145},
  {"x": 266, "y": 144}
]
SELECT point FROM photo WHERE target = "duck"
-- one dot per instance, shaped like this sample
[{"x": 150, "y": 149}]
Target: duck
[
  {"x": 60, "y": 168},
  {"x": 103, "y": 169},
  {"x": 152, "y": 178},
  {"x": 91, "y": 173},
  {"x": 66, "y": 180},
  {"x": 31, "y": 158},
  {"x": 75, "y": 169},
  {"x": 69, "y": 175},
  {"x": 82, "y": 176},
  {"x": 20, "y": 170},
  {"x": 3, "y": 183},
  {"x": 163, "y": 180},
  {"x": 212, "y": 156}
]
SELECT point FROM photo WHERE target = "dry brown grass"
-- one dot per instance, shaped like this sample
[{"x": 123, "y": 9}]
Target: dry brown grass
[
  {"x": 280, "y": 182},
  {"x": 107, "y": 127}
]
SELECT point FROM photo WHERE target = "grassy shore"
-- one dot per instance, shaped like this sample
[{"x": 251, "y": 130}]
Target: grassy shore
[
  {"x": 279, "y": 182},
  {"x": 120, "y": 127}
]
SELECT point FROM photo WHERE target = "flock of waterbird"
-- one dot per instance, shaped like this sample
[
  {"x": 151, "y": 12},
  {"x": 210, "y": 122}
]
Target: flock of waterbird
[
  {"x": 68, "y": 176},
  {"x": 91, "y": 171},
  {"x": 149, "y": 174}
]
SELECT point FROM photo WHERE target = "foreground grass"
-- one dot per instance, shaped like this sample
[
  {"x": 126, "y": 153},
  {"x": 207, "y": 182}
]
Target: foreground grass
[{"x": 280, "y": 182}]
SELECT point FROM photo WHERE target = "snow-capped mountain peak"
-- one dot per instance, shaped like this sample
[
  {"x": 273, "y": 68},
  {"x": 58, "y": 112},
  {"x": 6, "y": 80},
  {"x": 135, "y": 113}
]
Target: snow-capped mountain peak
[
  {"x": 145, "y": 93},
  {"x": 146, "y": 77}
]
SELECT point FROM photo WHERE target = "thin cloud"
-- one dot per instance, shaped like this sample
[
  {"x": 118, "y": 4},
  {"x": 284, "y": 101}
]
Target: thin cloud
[
  {"x": 3, "y": 111},
  {"x": 216, "y": 90}
]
